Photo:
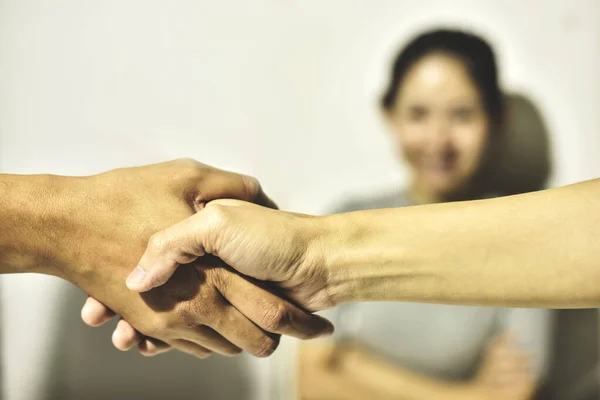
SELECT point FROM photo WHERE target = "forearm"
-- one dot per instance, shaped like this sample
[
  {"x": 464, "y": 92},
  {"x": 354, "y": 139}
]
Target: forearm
[
  {"x": 397, "y": 383},
  {"x": 34, "y": 215},
  {"x": 320, "y": 378},
  {"x": 394, "y": 382},
  {"x": 540, "y": 249}
]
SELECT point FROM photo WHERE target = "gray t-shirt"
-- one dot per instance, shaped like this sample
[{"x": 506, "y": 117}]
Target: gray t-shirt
[{"x": 443, "y": 341}]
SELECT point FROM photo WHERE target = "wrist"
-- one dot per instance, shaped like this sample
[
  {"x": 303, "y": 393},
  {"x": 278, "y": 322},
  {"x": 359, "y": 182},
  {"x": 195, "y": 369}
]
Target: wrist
[
  {"x": 350, "y": 248},
  {"x": 36, "y": 210},
  {"x": 378, "y": 255},
  {"x": 325, "y": 256}
]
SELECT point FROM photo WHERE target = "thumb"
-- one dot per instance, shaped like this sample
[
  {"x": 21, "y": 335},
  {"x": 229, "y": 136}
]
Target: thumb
[
  {"x": 229, "y": 203},
  {"x": 181, "y": 243},
  {"x": 220, "y": 184}
]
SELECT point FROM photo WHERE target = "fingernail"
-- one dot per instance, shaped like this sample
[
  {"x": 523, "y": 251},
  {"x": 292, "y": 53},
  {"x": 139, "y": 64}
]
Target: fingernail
[{"x": 136, "y": 276}]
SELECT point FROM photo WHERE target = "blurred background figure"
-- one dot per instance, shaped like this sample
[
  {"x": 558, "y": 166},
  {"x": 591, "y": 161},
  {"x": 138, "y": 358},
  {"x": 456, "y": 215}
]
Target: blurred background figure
[{"x": 446, "y": 110}]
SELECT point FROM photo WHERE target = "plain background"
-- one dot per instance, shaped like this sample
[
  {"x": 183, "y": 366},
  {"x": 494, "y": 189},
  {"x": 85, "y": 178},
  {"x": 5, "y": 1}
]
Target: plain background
[{"x": 285, "y": 90}]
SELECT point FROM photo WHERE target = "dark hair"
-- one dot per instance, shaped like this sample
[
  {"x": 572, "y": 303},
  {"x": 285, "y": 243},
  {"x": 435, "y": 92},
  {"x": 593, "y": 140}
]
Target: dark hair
[{"x": 473, "y": 51}]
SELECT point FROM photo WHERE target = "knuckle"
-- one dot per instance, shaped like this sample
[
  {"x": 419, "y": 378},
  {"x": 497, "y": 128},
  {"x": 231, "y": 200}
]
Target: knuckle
[
  {"x": 236, "y": 352},
  {"x": 192, "y": 325},
  {"x": 120, "y": 342},
  {"x": 217, "y": 211},
  {"x": 147, "y": 352},
  {"x": 232, "y": 351},
  {"x": 187, "y": 315},
  {"x": 216, "y": 215},
  {"x": 159, "y": 327},
  {"x": 119, "y": 346},
  {"x": 157, "y": 280},
  {"x": 274, "y": 317},
  {"x": 91, "y": 317},
  {"x": 198, "y": 313},
  {"x": 203, "y": 353},
  {"x": 188, "y": 162},
  {"x": 129, "y": 337},
  {"x": 193, "y": 169},
  {"x": 252, "y": 186},
  {"x": 220, "y": 278},
  {"x": 265, "y": 347},
  {"x": 159, "y": 242}
]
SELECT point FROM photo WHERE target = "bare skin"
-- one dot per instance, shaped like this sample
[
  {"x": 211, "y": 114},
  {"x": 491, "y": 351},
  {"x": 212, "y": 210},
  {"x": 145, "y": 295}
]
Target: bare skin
[{"x": 88, "y": 230}]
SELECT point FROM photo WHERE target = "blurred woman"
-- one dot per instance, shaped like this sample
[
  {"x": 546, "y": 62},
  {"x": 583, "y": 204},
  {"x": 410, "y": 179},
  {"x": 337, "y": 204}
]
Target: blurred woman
[{"x": 445, "y": 108}]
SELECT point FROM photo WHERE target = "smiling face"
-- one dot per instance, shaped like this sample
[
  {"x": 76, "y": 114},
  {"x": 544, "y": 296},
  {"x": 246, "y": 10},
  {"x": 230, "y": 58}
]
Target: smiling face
[{"x": 441, "y": 124}]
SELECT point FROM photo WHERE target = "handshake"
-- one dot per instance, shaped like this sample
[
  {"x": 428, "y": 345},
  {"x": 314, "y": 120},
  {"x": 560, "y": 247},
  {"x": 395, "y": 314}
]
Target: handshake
[
  {"x": 182, "y": 269},
  {"x": 198, "y": 259}
]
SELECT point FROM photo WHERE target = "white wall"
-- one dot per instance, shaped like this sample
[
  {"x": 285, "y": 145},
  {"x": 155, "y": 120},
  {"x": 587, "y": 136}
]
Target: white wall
[{"x": 284, "y": 90}]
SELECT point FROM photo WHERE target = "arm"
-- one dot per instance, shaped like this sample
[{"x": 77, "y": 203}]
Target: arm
[
  {"x": 89, "y": 230},
  {"x": 333, "y": 371},
  {"x": 506, "y": 370},
  {"x": 341, "y": 367},
  {"x": 537, "y": 250},
  {"x": 532, "y": 331},
  {"x": 320, "y": 379},
  {"x": 32, "y": 212},
  {"x": 516, "y": 361},
  {"x": 356, "y": 371}
]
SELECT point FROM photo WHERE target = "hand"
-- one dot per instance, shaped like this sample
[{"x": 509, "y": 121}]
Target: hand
[
  {"x": 215, "y": 184},
  {"x": 105, "y": 223},
  {"x": 502, "y": 376},
  {"x": 125, "y": 336},
  {"x": 320, "y": 378},
  {"x": 506, "y": 371},
  {"x": 259, "y": 242}
]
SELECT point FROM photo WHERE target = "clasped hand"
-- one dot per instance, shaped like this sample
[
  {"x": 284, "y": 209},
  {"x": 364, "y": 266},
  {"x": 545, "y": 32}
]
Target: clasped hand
[{"x": 205, "y": 306}]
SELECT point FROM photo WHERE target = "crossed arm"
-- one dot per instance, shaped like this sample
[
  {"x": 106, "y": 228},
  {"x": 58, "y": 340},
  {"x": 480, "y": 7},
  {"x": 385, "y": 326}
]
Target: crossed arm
[
  {"x": 511, "y": 365},
  {"x": 505, "y": 373}
]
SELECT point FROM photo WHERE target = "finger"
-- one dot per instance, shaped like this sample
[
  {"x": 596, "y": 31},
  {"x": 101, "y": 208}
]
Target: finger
[
  {"x": 125, "y": 336},
  {"x": 190, "y": 348},
  {"x": 323, "y": 352},
  {"x": 95, "y": 313},
  {"x": 166, "y": 251},
  {"x": 220, "y": 184},
  {"x": 213, "y": 341},
  {"x": 246, "y": 334},
  {"x": 272, "y": 313},
  {"x": 511, "y": 378},
  {"x": 509, "y": 354},
  {"x": 150, "y": 347},
  {"x": 510, "y": 368},
  {"x": 518, "y": 362},
  {"x": 500, "y": 341}
]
